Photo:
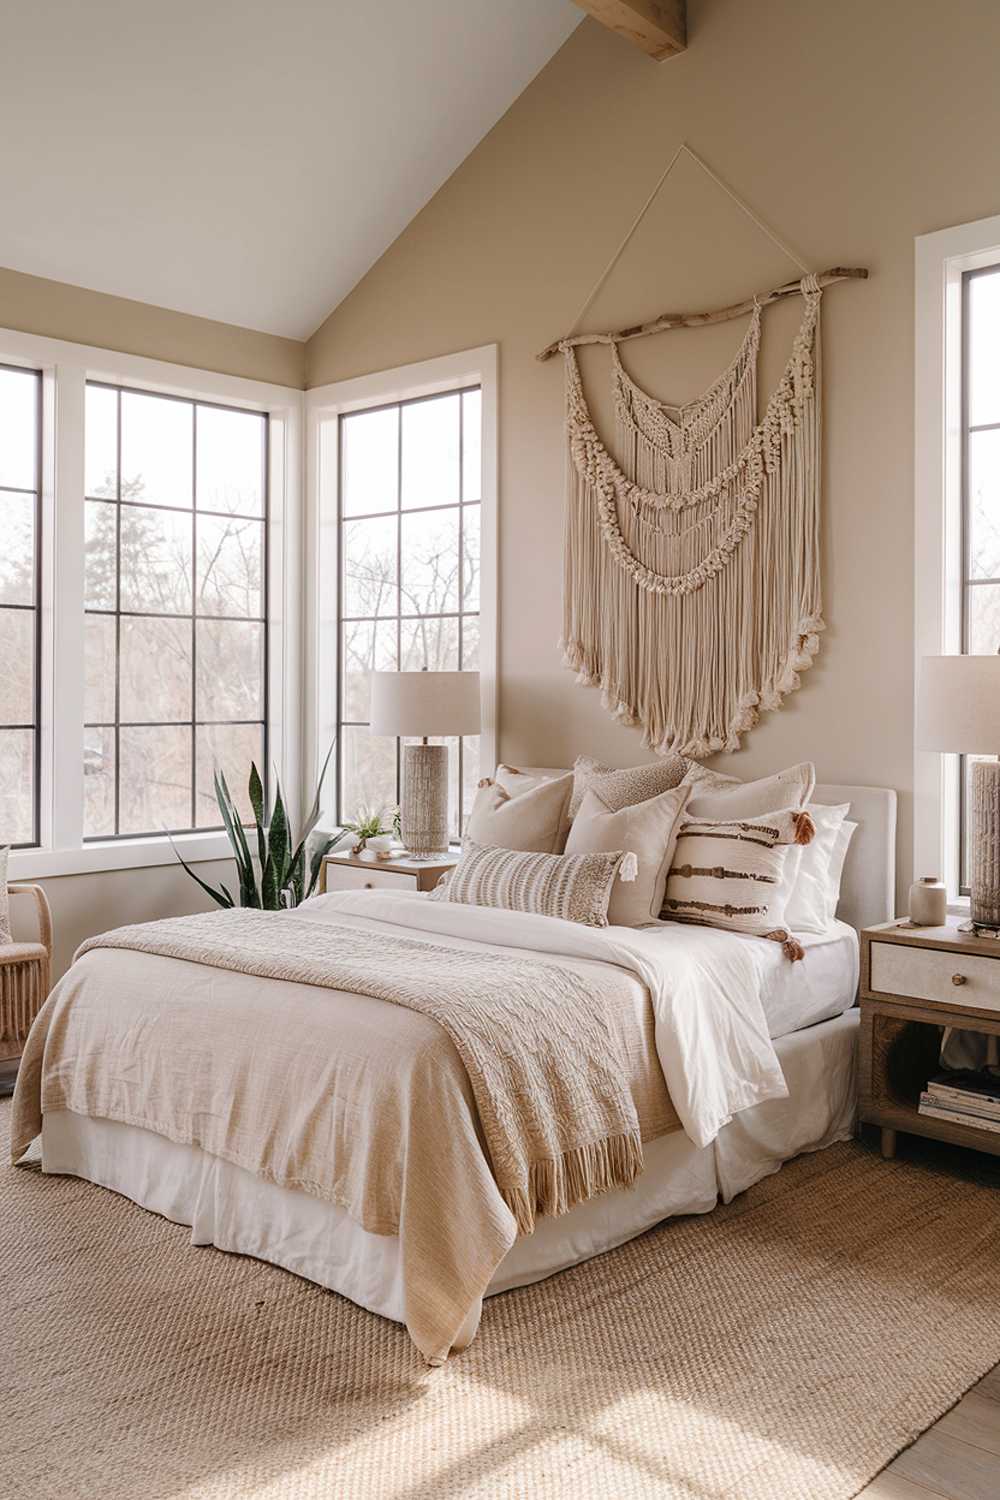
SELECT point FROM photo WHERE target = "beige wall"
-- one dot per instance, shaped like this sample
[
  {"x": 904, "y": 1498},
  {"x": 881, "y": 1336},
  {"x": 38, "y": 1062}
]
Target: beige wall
[
  {"x": 31, "y": 304},
  {"x": 850, "y": 128},
  {"x": 85, "y": 904}
]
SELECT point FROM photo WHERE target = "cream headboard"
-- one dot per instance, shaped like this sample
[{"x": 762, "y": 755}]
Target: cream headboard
[{"x": 868, "y": 887}]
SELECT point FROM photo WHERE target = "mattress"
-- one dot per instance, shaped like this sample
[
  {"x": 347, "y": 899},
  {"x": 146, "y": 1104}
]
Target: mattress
[
  {"x": 233, "y": 1210},
  {"x": 820, "y": 986}
]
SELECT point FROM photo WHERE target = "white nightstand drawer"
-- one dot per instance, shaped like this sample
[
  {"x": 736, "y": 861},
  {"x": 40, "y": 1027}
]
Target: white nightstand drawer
[
  {"x": 964, "y": 979},
  {"x": 352, "y": 878}
]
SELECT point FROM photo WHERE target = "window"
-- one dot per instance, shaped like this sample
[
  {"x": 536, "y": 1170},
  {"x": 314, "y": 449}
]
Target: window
[
  {"x": 20, "y": 511},
  {"x": 980, "y": 491},
  {"x": 175, "y": 594},
  {"x": 410, "y": 489},
  {"x": 957, "y": 503}
]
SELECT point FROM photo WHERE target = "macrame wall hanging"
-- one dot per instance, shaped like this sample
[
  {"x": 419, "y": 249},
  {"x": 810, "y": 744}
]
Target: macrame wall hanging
[{"x": 692, "y": 577}]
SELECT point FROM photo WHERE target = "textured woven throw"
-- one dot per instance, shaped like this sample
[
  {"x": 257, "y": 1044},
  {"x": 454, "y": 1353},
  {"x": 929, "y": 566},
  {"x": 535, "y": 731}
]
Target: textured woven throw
[{"x": 543, "y": 1057}]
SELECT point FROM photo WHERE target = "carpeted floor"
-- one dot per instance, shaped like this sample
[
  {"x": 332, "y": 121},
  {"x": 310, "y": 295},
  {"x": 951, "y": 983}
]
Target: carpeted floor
[{"x": 786, "y": 1346}]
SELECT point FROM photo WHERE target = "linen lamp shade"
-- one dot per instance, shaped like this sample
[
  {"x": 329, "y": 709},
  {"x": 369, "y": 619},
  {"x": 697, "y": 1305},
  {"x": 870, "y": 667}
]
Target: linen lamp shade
[
  {"x": 425, "y": 703},
  {"x": 958, "y": 704},
  {"x": 421, "y": 704},
  {"x": 958, "y": 709}
]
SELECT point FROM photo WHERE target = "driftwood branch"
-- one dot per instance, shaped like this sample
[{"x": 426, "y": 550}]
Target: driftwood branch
[{"x": 696, "y": 320}]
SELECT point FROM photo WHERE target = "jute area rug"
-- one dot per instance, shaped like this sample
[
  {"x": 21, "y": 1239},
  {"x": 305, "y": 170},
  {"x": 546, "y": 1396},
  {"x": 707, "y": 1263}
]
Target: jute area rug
[{"x": 786, "y": 1346}]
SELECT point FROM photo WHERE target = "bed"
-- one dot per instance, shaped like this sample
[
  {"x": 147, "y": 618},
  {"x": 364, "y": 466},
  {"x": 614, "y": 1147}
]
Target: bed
[{"x": 748, "y": 1085}]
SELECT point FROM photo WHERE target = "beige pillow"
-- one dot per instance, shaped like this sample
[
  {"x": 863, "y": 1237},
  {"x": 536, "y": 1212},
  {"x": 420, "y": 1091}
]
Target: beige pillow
[
  {"x": 534, "y": 821},
  {"x": 754, "y": 799},
  {"x": 646, "y": 829},
  {"x": 575, "y": 887},
  {"x": 622, "y": 788},
  {"x": 702, "y": 776},
  {"x": 516, "y": 782}
]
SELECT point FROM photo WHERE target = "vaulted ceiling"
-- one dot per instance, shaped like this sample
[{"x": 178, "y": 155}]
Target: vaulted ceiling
[{"x": 244, "y": 161}]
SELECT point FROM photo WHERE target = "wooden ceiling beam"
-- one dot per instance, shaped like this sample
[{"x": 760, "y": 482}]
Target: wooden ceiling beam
[{"x": 658, "y": 27}]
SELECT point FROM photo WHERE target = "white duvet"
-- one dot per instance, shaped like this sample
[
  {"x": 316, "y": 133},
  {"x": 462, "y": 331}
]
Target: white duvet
[{"x": 706, "y": 989}]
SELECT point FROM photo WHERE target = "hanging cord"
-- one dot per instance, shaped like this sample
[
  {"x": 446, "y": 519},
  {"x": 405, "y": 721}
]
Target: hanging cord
[
  {"x": 630, "y": 232},
  {"x": 740, "y": 203}
]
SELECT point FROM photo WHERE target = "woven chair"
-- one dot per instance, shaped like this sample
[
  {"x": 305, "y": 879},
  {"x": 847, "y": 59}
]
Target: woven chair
[{"x": 24, "y": 977}]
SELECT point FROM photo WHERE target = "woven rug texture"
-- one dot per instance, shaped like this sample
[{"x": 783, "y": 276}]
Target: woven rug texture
[{"x": 786, "y": 1346}]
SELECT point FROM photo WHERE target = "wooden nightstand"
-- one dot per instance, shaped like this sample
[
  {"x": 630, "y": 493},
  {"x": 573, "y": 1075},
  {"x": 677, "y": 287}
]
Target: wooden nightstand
[
  {"x": 915, "y": 981},
  {"x": 363, "y": 872}
]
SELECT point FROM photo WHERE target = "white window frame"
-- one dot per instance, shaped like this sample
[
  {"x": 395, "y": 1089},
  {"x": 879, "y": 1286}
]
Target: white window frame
[
  {"x": 324, "y": 406},
  {"x": 942, "y": 258},
  {"x": 66, "y": 368}
]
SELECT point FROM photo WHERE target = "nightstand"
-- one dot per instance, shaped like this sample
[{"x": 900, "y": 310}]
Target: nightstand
[
  {"x": 915, "y": 981},
  {"x": 364, "y": 872}
]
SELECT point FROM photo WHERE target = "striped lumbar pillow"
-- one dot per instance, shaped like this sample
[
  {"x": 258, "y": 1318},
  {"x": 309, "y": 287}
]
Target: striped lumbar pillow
[
  {"x": 576, "y": 887},
  {"x": 738, "y": 875}
]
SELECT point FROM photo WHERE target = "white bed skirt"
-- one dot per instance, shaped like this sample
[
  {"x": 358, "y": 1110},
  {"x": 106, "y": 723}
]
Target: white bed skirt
[{"x": 233, "y": 1210}]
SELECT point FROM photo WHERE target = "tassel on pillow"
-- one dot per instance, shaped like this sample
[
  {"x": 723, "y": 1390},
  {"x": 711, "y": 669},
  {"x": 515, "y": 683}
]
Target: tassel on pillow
[
  {"x": 628, "y": 870},
  {"x": 805, "y": 828},
  {"x": 790, "y": 946}
]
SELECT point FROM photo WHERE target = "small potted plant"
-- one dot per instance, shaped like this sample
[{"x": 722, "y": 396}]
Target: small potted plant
[{"x": 370, "y": 833}]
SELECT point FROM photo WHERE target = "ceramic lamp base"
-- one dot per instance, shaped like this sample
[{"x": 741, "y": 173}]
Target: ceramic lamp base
[
  {"x": 424, "y": 806},
  {"x": 984, "y": 850}
]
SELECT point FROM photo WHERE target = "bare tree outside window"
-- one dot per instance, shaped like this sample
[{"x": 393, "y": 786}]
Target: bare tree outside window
[
  {"x": 410, "y": 504},
  {"x": 980, "y": 493},
  {"x": 176, "y": 609},
  {"x": 20, "y": 436}
]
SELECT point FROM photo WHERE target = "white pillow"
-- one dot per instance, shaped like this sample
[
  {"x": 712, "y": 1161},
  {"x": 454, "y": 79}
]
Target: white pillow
[
  {"x": 534, "y": 821},
  {"x": 733, "y": 874},
  {"x": 5, "y": 933},
  {"x": 812, "y": 904},
  {"x": 646, "y": 829},
  {"x": 754, "y": 799},
  {"x": 845, "y": 833}
]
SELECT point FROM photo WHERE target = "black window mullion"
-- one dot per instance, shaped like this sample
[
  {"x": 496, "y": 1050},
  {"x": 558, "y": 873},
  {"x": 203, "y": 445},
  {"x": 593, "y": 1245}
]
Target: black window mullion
[{"x": 192, "y": 722}]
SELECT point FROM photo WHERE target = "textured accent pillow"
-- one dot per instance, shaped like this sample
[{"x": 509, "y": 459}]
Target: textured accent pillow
[
  {"x": 623, "y": 788},
  {"x": 5, "y": 933},
  {"x": 812, "y": 904},
  {"x": 534, "y": 821},
  {"x": 755, "y": 799},
  {"x": 648, "y": 830},
  {"x": 732, "y": 874},
  {"x": 576, "y": 887}
]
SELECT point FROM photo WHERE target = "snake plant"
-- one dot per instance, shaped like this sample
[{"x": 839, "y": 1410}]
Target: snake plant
[{"x": 274, "y": 876}]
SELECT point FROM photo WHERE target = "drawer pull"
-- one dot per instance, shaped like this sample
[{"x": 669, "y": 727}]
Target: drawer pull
[
  {"x": 369, "y": 887},
  {"x": 958, "y": 979}
]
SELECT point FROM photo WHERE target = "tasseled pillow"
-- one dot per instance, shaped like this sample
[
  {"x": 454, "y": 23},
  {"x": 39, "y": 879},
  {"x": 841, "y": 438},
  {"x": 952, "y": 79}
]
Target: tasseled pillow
[{"x": 738, "y": 875}]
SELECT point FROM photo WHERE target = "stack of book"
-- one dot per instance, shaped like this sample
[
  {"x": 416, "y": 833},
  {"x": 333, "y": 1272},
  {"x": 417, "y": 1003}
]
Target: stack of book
[{"x": 964, "y": 1096}]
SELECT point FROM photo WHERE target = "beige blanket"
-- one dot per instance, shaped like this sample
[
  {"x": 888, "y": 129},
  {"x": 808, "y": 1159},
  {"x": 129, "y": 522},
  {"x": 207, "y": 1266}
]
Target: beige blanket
[{"x": 487, "y": 1089}]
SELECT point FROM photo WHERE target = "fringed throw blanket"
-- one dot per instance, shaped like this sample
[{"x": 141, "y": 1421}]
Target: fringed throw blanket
[
  {"x": 692, "y": 589},
  {"x": 542, "y": 1053}
]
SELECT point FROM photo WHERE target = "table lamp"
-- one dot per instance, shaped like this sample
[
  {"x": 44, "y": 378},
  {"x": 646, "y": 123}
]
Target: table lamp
[
  {"x": 958, "y": 710},
  {"x": 424, "y": 703}
]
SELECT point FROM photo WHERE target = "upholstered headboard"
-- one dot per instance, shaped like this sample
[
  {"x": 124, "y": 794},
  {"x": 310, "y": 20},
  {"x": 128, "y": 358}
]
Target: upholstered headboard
[{"x": 868, "y": 886}]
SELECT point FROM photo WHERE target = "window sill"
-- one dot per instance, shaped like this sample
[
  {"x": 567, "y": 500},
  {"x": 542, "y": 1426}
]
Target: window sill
[{"x": 121, "y": 854}]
